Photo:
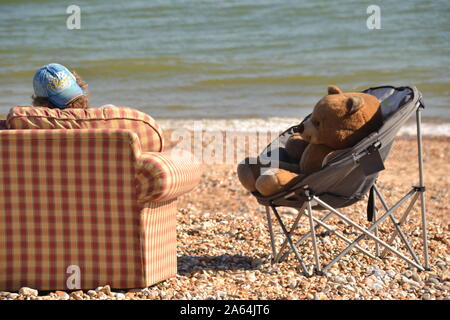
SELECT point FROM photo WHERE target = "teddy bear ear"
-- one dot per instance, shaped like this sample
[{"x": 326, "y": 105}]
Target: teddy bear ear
[
  {"x": 333, "y": 90},
  {"x": 354, "y": 103}
]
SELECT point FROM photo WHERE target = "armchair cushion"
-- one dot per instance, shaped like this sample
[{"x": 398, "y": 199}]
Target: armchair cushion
[
  {"x": 106, "y": 117},
  {"x": 164, "y": 176}
]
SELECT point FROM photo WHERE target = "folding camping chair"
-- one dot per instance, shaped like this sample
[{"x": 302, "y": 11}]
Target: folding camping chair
[{"x": 343, "y": 181}]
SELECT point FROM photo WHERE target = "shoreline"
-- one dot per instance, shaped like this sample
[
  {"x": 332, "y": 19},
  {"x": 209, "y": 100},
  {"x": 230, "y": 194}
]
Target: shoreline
[{"x": 431, "y": 127}]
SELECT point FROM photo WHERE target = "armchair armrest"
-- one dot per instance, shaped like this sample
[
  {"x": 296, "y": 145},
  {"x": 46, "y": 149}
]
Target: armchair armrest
[{"x": 164, "y": 176}]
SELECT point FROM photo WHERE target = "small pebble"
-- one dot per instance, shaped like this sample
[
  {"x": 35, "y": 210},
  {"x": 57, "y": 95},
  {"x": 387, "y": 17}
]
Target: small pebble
[
  {"x": 433, "y": 281},
  {"x": 92, "y": 293},
  {"x": 106, "y": 290},
  {"x": 293, "y": 283},
  {"x": 77, "y": 295},
  {"x": 415, "y": 276},
  {"x": 426, "y": 296},
  {"x": 102, "y": 296},
  {"x": 62, "y": 295},
  {"x": 377, "y": 286},
  {"x": 28, "y": 291}
]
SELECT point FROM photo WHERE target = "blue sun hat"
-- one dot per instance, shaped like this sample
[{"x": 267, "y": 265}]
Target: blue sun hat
[{"x": 57, "y": 83}]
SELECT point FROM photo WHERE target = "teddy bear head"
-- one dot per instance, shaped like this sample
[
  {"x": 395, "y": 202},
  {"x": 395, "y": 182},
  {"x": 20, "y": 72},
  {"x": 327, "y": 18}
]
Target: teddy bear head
[{"x": 340, "y": 120}]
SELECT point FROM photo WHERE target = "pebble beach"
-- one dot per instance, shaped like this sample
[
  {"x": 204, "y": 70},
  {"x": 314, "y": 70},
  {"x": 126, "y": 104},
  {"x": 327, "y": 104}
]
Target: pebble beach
[{"x": 224, "y": 246}]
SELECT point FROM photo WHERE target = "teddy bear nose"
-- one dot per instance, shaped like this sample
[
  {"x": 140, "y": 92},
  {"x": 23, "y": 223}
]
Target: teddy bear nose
[{"x": 300, "y": 128}]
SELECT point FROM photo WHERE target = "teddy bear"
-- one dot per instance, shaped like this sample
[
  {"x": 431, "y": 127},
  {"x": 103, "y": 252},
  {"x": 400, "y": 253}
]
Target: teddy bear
[{"x": 339, "y": 121}]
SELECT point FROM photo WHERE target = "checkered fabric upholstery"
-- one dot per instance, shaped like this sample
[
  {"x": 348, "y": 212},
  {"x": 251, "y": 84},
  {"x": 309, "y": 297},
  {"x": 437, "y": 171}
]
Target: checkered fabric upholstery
[
  {"x": 160, "y": 245},
  {"x": 107, "y": 116},
  {"x": 69, "y": 203},
  {"x": 164, "y": 175}
]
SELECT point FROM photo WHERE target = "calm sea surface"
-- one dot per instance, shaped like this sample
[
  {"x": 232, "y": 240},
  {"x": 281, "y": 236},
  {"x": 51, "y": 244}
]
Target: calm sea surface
[{"x": 228, "y": 59}]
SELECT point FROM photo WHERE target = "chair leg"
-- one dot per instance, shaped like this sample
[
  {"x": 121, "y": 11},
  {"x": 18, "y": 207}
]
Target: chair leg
[
  {"x": 421, "y": 187},
  {"x": 313, "y": 236},
  {"x": 294, "y": 226},
  {"x": 272, "y": 237},
  {"x": 400, "y": 223},
  {"x": 342, "y": 237},
  {"x": 374, "y": 218},
  {"x": 291, "y": 243},
  {"x": 424, "y": 231},
  {"x": 397, "y": 225},
  {"x": 320, "y": 223},
  {"x": 377, "y": 246},
  {"x": 308, "y": 234},
  {"x": 368, "y": 232}
]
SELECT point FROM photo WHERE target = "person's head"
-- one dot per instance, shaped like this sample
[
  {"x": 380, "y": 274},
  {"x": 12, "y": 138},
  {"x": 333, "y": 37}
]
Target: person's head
[{"x": 56, "y": 87}]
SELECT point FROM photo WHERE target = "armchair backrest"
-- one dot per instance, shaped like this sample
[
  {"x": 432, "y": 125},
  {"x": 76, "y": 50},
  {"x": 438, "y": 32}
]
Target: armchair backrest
[
  {"x": 108, "y": 116},
  {"x": 66, "y": 195}
]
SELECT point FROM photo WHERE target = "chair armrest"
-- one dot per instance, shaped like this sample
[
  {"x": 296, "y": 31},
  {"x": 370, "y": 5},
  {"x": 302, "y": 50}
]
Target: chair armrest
[{"x": 163, "y": 176}]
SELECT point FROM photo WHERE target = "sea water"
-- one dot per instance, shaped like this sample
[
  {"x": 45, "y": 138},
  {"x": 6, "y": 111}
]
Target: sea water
[{"x": 246, "y": 63}]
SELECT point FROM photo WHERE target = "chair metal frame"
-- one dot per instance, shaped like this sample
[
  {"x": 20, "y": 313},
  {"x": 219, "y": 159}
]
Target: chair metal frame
[{"x": 370, "y": 233}]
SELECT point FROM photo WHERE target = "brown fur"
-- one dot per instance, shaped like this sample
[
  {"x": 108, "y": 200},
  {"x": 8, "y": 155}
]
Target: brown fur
[
  {"x": 313, "y": 156},
  {"x": 295, "y": 146},
  {"x": 339, "y": 120},
  {"x": 80, "y": 102}
]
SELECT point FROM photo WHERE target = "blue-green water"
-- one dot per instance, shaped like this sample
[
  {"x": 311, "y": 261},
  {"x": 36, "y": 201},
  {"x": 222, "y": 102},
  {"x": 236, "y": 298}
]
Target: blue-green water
[{"x": 227, "y": 59}]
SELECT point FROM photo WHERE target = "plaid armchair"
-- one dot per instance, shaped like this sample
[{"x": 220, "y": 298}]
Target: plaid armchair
[{"x": 87, "y": 207}]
